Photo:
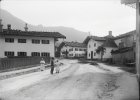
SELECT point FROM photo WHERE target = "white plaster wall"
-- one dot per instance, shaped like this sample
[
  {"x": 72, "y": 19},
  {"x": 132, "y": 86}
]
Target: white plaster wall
[
  {"x": 26, "y": 47},
  {"x": 92, "y": 48}
]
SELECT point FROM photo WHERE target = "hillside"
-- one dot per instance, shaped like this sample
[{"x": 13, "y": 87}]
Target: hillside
[{"x": 16, "y": 23}]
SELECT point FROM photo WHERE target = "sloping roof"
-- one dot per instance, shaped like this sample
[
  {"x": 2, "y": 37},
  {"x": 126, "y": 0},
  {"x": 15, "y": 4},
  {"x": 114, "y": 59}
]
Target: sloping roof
[
  {"x": 126, "y": 34},
  {"x": 73, "y": 44},
  {"x": 122, "y": 50},
  {"x": 31, "y": 33},
  {"x": 96, "y": 38},
  {"x": 131, "y": 3},
  {"x": 109, "y": 43}
]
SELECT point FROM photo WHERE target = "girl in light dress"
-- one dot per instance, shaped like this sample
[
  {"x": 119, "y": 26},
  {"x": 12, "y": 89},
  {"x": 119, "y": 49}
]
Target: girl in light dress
[{"x": 57, "y": 69}]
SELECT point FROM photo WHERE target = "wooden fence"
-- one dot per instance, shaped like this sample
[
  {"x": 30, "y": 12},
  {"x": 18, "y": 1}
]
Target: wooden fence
[{"x": 9, "y": 63}]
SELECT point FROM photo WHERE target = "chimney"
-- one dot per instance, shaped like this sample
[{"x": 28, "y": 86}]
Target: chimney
[
  {"x": 9, "y": 26},
  {"x": 26, "y": 27},
  {"x": 110, "y": 33},
  {"x": 1, "y": 26}
]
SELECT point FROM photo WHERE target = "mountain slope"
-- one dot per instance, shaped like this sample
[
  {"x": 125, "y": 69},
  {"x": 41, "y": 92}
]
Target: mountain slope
[{"x": 16, "y": 23}]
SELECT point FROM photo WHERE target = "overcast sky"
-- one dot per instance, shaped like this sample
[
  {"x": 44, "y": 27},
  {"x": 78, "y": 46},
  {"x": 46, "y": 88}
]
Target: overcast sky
[{"x": 96, "y": 16}]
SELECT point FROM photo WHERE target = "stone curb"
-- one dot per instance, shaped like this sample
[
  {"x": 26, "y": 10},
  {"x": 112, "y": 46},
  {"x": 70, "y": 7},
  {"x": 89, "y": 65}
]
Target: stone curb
[{"x": 20, "y": 72}]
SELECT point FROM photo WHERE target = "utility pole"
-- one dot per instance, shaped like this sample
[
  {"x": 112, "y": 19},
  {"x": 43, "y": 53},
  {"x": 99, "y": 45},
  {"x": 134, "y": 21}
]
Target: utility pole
[{"x": 138, "y": 37}]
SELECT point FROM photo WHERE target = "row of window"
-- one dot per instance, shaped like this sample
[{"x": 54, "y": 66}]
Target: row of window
[
  {"x": 76, "y": 49},
  {"x": 22, "y": 54},
  {"x": 34, "y": 41},
  {"x": 77, "y": 55}
]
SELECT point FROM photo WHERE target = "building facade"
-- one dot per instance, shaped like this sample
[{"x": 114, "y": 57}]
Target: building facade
[
  {"x": 126, "y": 51},
  {"x": 72, "y": 49},
  {"x": 93, "y": 42},
  {"x": 27, "y": 43}
]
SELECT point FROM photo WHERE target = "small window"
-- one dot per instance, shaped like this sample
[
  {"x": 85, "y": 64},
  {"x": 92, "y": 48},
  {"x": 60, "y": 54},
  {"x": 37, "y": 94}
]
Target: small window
[
  {"x": 80, "y": 49},
  {"x": 34, "y": 41},
  {"x": 9, "y": 53},
  {"x": 21, "y": 40},
  {"x": 45, "y": 42},
  {"x": 94, "y": 44},
  {"x": 89, "y": 46},
  {"x": 70, "y": 54},
  {"x": 76, "y": 49},
  {"x": 89, "y": 54},
  {"x": 45, "y": 54},
  {"x": 71, "y": 49},
  {"x": 22, "y": 54},
  {"x": 35, "y": 54},
  {"x": 9, "y": 40}
]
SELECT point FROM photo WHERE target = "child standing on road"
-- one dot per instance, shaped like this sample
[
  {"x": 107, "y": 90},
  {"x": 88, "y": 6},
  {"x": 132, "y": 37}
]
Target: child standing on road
[
  {"x": 42, "y": 64},
  {"x": 52, "y": 65},
  {"x": 57, "y": 69}
]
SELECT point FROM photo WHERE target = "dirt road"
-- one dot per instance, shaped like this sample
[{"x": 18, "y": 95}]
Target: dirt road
[{"x": 75, "y": 82}]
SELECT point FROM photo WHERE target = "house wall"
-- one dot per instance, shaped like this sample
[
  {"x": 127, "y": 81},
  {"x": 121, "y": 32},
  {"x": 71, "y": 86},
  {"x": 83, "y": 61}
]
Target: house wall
[
  {"x": 128, "y": 41},
  {"x": 26, "y": 47},
  {"x": 91, "y": 47}
]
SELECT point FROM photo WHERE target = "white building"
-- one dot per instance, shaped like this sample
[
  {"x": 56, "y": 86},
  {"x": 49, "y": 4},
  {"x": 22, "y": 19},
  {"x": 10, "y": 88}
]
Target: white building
[
  {"x": 27, "y": 43},
  {"x": 93, "y": 42},
  {"x": 72, "y": 49}
]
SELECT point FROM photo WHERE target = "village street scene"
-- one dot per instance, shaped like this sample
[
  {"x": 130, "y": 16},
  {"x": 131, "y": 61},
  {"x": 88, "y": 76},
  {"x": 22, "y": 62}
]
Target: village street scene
[{"x": 54, "y": 50}]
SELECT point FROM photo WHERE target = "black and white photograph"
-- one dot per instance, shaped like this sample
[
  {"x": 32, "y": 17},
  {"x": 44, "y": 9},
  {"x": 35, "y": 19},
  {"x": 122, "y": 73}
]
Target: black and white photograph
[{"x": 69, "y": 49}]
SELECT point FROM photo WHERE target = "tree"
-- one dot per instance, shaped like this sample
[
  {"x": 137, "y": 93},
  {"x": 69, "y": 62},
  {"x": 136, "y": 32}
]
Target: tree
[{"x": 101, "y": 50}]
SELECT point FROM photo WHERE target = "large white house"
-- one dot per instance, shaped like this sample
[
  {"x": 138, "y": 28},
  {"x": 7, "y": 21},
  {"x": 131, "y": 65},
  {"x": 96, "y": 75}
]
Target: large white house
[
  {"x": 72, "y": 49},
  {"x": 93, "y": 42},
  {"x": 27, "y": 43}
]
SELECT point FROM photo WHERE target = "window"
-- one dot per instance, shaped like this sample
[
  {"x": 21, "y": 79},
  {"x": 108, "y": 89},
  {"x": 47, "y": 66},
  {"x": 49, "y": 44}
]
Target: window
[
  {"x": 76, "y": 55},
  {"x": 70, "y": 54},
  {"x": 34, "y": 41},
  {"x": 89, "y": 54},
  {"x": 35, "y": 53},
  {"x": 121, "y": 45},
  {"x": 71, "y": 49},
  {"x": 9, "y": 53},
  {"x": 89, "y": 46},
  {"x": 45, "y": 41},
  {"x": 21, "y": 40},
  {"x": 9, "y": 40},
  {"x": 45, "y": 54},
  {"x": 80, "y": 49},
  {"x": 94, "y": 44},
  {"x": 22, "y": 54},
  {"x": 94, "y": 54},
  {"x": 76, "y": 49}
]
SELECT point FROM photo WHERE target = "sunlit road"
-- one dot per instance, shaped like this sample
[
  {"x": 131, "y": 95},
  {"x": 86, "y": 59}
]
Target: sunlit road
[{"x": 75, "y": 82}]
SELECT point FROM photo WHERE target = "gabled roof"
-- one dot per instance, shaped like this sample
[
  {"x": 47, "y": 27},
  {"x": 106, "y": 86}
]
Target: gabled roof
[
  {"x": 96, "y": 38},
  {"x": 73, "y": 44},
  {"x": 109, "y": 43},
  {"x": 125, "y": 34},
  {"x": 31, "y": 33}
]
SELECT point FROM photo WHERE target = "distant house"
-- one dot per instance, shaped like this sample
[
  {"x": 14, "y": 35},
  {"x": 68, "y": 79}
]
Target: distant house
[
  {"x": 27, "y": 43},
  {"x": 126, "y": 48},
  {"x": 72, "y": 49},
  {"x": 93, "y": 42}
]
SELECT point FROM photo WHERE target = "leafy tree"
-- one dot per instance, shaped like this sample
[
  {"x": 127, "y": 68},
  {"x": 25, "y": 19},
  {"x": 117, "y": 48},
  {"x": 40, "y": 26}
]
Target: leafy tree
[{"x": 101, "y": 50}]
